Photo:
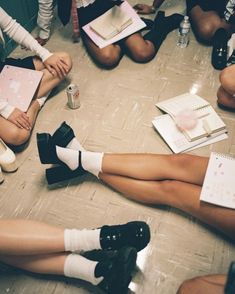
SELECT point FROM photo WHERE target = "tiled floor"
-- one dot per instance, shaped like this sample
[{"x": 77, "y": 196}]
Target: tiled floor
[{"x": 115, "y": 116}]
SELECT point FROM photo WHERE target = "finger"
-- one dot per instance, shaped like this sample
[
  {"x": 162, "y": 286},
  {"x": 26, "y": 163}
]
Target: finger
[
  {"x": 50, "y": 69},
  {"x": 58, "y": 71},
  {"x": 22, "y": 123},
  {"x": 25, "y": 120},
  {"x": 63, "y": 68},
  {"x": 17, "y": 124}
]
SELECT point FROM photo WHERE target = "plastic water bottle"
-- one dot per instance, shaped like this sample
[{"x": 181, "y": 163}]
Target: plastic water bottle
[{"x": 184, "y": 31}]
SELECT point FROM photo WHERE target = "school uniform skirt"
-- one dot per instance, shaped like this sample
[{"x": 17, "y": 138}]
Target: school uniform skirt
[
  {"x": 25, "y": 62},
  {"x": 94, "y": 10}
]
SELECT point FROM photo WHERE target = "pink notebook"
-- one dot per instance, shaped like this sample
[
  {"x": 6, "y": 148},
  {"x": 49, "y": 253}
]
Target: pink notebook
[{"x": 18, "y": 85}]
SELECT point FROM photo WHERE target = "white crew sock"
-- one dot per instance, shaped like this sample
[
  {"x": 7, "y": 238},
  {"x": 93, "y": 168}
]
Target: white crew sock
[
  {"x": 75, "y": 144},
  {"x": 81, "y": 240},
  {"x": 41, "y": 101},
  {"x": 77, "y": 266},
  {"x": 91, "y": 161}
]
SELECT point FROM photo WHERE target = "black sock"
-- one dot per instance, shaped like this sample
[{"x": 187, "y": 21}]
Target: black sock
[{"x": 162, "y": 27}]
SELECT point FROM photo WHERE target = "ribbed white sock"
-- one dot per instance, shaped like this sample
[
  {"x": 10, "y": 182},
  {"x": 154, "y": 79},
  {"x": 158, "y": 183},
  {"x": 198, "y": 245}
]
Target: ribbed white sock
[
  {"x": 68, "y": 156},
  {"x": 75, "y": 144},
  {"x": 91, "y": 161},
  {"x": 81, "y": 240},
  {"x": 42, "y": 100},
  {"x": 77, "y": 266}
]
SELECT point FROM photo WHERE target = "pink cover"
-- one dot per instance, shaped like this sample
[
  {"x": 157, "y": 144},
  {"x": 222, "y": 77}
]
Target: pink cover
[
  {"x": 136, "y": 26},
  {"x": 18, "y": 85}
]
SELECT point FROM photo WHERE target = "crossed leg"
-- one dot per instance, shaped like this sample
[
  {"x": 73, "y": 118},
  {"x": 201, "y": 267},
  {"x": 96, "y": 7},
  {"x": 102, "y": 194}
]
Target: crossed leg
[{"x": 9, "y": 132}]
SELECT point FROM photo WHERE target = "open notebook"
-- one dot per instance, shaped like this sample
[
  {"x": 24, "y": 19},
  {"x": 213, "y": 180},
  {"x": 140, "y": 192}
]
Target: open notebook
[
  {"x": 219, "y": 185},
  {"x": 136, "y": 25},
  {"x": 111, "y": 23},
  {"x": 18, "y": 85},
  {"x": 209, "y": 121}
]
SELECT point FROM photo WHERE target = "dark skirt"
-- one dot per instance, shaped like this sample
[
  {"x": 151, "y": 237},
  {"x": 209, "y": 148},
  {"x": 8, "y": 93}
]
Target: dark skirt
[
  {"x": 94, "y": 10},
  {"x": 25, "y": 62}
]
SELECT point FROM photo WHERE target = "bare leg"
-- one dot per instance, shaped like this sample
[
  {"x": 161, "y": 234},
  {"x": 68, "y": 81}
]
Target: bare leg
[
  {"x": 43, "y": 264},
  {"x": 206, "y": 23},
  {"x": 204, "y": 285},
  {"x": 9, "y": 132},
  {"x": 181, "y": 167},
  {"x": 184, "y": 196},
  {"x": 139, "y": 49},
  {"x": 227, "y": 89},
  {"x": 107, "y": 57},
  {"x": 25, "y": 237}
]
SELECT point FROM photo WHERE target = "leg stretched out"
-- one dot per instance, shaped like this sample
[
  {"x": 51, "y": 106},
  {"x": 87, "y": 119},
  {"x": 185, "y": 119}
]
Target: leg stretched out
[{"x": 173, "y": 180}]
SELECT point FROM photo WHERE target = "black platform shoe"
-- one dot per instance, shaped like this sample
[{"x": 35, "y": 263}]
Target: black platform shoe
[
  {"x": 63, "y": 135},
  {"x": 135, "y": 234},
  {"x": 62, "y": 173},
  {"x": 117, "y": 271},
  {"x": 220, "y": 49},
  {"x": 47, "y": 149}
]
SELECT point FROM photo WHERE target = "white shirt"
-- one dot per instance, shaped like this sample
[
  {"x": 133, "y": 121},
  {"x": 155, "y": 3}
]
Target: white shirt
[{"x": 15, "y": 31}]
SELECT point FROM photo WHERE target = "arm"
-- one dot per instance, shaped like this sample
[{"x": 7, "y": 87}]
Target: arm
[
  {"x": 147, "y": 9},
  {"x": 14, "y": 115},
  {"x": 15, "y": 31}
]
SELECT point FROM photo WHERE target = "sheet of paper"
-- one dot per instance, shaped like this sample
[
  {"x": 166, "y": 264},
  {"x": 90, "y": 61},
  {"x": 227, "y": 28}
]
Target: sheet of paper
[
  {"x": 137, "y": 25},
  {"x": 219, "y": 185}
]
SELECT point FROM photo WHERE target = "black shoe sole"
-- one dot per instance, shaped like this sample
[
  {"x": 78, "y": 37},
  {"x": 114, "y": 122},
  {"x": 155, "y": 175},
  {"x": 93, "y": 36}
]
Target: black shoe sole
[
  {"x": 42, "y": 143},
  {"x": 120, "y": 277}
]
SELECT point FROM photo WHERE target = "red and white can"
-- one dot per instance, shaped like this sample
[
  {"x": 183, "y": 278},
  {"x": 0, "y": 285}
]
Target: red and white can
[{"x": 73, "y": 96}]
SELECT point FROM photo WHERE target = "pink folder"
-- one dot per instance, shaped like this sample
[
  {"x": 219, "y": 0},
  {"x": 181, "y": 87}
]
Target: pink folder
[{"x": 18, "y": 85}]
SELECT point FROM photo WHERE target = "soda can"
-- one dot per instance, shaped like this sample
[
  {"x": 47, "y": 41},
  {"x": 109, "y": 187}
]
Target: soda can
[{"x": 73, "y": 96}]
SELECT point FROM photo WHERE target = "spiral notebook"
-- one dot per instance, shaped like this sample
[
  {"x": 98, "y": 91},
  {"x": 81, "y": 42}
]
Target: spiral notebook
[
  {"x": 209, "y": 121},
  {"x": 219, "y": 185}
]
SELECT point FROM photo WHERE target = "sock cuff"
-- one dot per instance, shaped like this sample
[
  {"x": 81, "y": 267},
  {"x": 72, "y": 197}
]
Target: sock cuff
[
  {"x": 77, "y": 266},
  {"x": 81, "y": 240}
]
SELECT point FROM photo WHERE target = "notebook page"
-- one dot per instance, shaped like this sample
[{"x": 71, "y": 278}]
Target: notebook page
[
  {"x": 185, "y": 101},
  {"x": 219, "y": 185},
  {"x": 175, "y": 139}
]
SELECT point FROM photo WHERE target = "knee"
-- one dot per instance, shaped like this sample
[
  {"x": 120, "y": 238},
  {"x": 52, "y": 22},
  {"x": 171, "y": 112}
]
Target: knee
[
  {"x": 142, "y": 55},
  {"x": 68, "y": 60},
  {"x": 109, "y": 59},
  {"x": 227, "y": 79},
  {"x": 182, "y": 161},
  {"x": 18, "y": 136},
  {"x": 191, "y": 286},
  {"x": 205, "y": 30}
]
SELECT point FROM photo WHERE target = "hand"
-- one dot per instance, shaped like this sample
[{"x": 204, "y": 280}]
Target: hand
[
  {"x": 144, "y": 9},
  {"x": 41, "y": 41},
  {"x": 56, "y": 65},
  {"x": 20, "y": 119}
]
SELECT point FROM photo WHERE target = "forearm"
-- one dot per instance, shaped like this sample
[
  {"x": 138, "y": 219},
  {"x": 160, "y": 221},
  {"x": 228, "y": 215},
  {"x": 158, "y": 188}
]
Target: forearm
[
  {"x": 25, "y": 237},
  {"x": 45, "y": 15},
  {"x": 15, "y": 31}
]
